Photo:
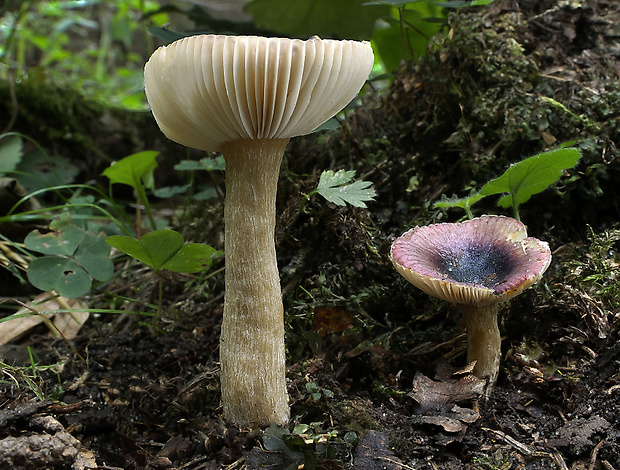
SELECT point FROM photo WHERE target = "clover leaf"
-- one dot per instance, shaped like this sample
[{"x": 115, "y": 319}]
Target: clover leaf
[
  {"x": 73, "y": 257},
  {"x": 165, "y": 249}
]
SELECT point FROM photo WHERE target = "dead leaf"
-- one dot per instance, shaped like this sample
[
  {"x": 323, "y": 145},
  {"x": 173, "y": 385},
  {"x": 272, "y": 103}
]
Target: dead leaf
[
  {"x": 453, "y": 421},
  {"x": 85, "y": 460},
  {"x": 67, "y": 324},
  {"x": 70, "y": 323},
  {"x": 448, "y": 424},
  {"x": 446, "y": 372},
  {"x": 11, "y": 329},
  {"x": 328, "y": 319},
  {"x": 430, "y": 394},
  {"x": 548, "y": 138}
]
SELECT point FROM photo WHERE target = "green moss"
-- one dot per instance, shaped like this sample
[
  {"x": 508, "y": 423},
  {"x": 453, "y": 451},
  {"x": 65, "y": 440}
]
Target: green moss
[
  {"x": 64, "y": 122},
  {"x": 496, "y": 88},
  {"x": 353, "y": 415},
  {"x": 594, "y": 269},
  {"x": 52, "y": 115}
]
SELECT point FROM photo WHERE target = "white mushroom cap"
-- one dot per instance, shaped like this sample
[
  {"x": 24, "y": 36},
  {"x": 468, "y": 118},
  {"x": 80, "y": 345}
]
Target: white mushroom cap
[
  {"x": 207, "y": 90},
  {"x": 481, "y": 261}
]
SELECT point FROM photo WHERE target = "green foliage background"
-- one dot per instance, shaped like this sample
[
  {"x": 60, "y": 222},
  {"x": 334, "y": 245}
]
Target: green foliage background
[{"x": 100, "y": 46}]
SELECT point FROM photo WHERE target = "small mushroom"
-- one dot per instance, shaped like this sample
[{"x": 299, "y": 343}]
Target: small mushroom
[
  {"x": 478, "y": 264},
  {"x": 246, "y": 96}
]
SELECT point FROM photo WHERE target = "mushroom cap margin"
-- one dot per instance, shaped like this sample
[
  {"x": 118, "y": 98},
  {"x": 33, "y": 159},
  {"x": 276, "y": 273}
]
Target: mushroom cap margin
[
  {"x": 416, "y": 253},
  {"x": 207, "y": 90}
]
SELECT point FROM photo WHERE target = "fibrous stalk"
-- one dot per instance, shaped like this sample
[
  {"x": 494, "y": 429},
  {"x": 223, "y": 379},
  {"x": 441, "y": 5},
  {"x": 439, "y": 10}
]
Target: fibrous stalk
[
  {"x": 483, "y": 341},
  {"x": 253, "y": 372}
]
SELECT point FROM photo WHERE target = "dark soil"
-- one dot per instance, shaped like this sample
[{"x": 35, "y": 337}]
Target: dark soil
[{"x": 506, "y": 81}]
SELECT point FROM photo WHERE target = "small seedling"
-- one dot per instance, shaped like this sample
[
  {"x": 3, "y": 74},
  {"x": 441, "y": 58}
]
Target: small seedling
[
  {"x": 337, "y": 188},
  {"x": 306, "y": 446},
  {"x": 205, "y": 164},
  {"x": 317, "y": 392},
  {"x": 73, "y": 257},
  {"x": 520, "y": 181},
  {"x": 165, "y": 249},
  {"x": 136, "y": 171}
]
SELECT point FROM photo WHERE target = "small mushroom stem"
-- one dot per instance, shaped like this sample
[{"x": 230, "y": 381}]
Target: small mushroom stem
[
  {"x": 252, "y": 359},
  {"x": 483, "y": 341}
]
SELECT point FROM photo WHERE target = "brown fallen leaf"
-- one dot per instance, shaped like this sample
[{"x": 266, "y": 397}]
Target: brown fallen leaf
[
  {"x": 66, "y": 324},
  {"x": 454, "y": 420},
  {"x": 328, "y": 319},
  {"x": 431, "y": 394}
]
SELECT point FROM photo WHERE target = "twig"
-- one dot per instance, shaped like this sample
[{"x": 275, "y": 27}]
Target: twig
[
  {"x": 594, "y": 454},
  {"x": 396, "y": 462},
  {"x": 559, "y": 460},
  {"x": 50, "y": 325},
  {"x": 528, "y": 450}
]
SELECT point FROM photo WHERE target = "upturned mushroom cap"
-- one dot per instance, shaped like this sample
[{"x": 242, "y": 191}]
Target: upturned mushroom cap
[
  {"x": 207, "y": 90},
  {"x": 477, "y": 262}
]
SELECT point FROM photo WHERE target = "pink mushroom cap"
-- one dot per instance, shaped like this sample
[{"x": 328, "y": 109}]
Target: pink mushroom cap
[{"x": 481, "y": 261}]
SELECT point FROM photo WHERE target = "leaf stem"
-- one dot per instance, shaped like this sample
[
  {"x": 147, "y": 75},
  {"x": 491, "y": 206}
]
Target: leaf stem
[{"x": 160, "y": 301}]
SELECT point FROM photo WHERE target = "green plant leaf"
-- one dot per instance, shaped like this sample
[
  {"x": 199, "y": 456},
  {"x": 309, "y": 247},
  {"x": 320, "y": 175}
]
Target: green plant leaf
[
  {"x": 531, "y": 176},
  {"x": 393, "y": 3},
  {"x": 59, "y": 223},
  {"x": 191, "y": 258},
  {"x": 208, "y": 164},
  {"x": 188, "y": 165},
  {"x": 211, "y": 164},
  {"x": 62, "y": 242},
  {"x": 165, "y": 34},
  {"x": 456, "y": 4},
  {"x": 130, "y": 246},
  {"x": 134, "y": 170},
  {"x": 165, "y": 249},
  {"x": 272, "y": 438},
  {"x": 325, "y": 18},
  {"x": 169, "y": 191},
  {"x": 161, "y": 246},
  {"x": 39, "y": 171},
  {"x": 93, "y": 255},
  {"x": 335, "y": 187},
  {"x": 206, "y": 194},
  {"x": 154, "y": 249},
  {"x": 464, "y": 203},
  {"x": 62, "y": 275},
  {"x": 74, "y": 255},
  {"x": 11, "y": 152}
]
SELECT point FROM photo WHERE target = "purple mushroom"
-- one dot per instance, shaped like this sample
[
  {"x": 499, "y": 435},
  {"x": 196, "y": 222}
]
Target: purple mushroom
[{"x": 478, "y": 264}]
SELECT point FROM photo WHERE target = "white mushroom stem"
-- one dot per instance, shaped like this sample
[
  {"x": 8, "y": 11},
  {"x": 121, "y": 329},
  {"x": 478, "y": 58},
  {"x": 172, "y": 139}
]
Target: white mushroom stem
[
  {"x": 253, "y": 373},
  {"x": 483, "y": 341}
]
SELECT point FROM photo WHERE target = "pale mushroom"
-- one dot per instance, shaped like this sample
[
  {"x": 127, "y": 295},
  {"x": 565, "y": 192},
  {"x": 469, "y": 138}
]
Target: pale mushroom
[
  {"x": 478, "y": 264},
  {"x": 246, "y": 96}
]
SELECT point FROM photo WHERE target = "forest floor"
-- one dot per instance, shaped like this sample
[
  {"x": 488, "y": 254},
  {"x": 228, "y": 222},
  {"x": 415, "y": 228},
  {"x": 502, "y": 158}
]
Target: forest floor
[{"x": 376, "y": 374}]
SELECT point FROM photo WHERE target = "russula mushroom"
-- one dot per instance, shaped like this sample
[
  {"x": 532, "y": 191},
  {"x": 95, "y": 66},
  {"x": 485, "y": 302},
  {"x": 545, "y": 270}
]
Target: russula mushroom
[
  {"x": 246, "y": 96},
  {"x": 478, "y": 264}
]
